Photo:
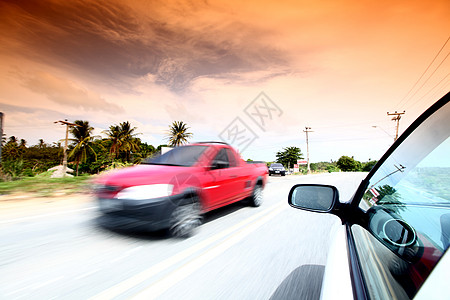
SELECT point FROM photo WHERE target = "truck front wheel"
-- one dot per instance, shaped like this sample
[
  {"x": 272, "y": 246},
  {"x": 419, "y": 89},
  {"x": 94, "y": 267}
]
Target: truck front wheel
[{"x": 186, "y": 217}]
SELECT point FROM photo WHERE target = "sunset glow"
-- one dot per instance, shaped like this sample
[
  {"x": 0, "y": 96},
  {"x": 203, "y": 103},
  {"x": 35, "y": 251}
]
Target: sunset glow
[{"x": 335, "y": 66}]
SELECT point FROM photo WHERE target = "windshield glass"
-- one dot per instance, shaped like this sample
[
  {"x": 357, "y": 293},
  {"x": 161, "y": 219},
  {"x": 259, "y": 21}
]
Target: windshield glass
[
  {"x": 410, "y": 190},
  {"x": 185, "y": 156},
  {"x": 276, "y": 166}
]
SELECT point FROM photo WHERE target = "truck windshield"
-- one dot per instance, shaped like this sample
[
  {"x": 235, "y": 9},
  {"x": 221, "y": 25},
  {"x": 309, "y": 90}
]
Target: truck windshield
[{"x": 185, "y": 156}]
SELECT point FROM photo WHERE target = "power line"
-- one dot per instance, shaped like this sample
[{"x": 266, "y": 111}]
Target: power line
[
  {"x": 429, "y": 77},
  {"x": 421, "y": 76},
  {"x": 423, "y": 96}
]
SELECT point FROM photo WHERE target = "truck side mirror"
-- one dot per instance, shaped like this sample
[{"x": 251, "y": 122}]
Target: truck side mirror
[{"x": 219, "y": 164}]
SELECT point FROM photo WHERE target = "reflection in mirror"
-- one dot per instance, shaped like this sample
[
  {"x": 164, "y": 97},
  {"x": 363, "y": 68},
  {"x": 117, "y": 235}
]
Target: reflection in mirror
[{"x": 313, "y": 197}]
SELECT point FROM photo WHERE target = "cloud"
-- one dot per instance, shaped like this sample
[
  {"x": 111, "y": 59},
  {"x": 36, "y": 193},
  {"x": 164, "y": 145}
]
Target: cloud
[
  {"x": 67, "y": 93},
  {"x": 116, "y": 41}
]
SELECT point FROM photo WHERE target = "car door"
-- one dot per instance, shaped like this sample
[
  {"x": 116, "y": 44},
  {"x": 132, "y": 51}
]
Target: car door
[
  {"x": 397, "y": 225},
  {"x": 240, "y": 173},
  {"x": 405, "y": 208},
  {"x": 221, "y": 179}
]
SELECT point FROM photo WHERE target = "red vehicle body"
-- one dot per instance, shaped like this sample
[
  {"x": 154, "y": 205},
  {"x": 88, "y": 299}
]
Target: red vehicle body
[{"x": 175, "y": 189}]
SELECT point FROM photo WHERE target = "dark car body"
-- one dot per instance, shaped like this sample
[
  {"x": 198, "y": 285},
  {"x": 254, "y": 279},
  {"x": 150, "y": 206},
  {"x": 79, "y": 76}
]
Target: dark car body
[
  {"x": 277, "y": 169},
  {"x": 396, "y": 228},
  {"x": 179, "y": 186}
]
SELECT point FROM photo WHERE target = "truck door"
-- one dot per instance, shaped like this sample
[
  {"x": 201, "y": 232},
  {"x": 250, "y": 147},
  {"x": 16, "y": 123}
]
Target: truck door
[{"x": 219, "y": 188}]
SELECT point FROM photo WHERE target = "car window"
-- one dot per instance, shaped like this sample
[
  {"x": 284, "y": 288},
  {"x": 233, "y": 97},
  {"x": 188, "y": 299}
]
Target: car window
[
  {"x": 232, "y": 158},
  {"x": 185, "y": 156},
  {"x": 222, "y": 158},
  {"x": 407, "y": 204}
]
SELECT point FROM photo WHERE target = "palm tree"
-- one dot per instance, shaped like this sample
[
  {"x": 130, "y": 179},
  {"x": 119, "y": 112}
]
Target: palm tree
[
  {"x": 11, "y": 149},
  {"x": 114, "y": 135},
  {"x": 22, "y": 146},
  {"x": 177, "y": 134},
  {"x": 82, "y": 140},
  {"x": 129, "y": 142},
  {"x": 41, "y": 144},
  {"x": 123, "y": 139}
]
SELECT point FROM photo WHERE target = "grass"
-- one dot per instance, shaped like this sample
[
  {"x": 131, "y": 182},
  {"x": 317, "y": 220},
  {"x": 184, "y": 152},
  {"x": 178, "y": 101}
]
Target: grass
[{"x": 43, "y": 185}]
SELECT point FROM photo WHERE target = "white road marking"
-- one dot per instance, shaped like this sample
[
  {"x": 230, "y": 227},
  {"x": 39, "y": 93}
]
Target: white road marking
[
  {"x": 126, "y": 254},
  {"x": 17, "y": 291},
  {"x": 86, "y": 274},
  {"x": 42, "y": 284},
  {"x": 159, "y": 287},
  {"x": 131, "y": 282}
]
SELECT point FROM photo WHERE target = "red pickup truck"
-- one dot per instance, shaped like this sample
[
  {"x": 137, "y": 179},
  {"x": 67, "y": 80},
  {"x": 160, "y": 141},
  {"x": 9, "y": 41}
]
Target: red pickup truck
[{"x": 173, "y": 190}]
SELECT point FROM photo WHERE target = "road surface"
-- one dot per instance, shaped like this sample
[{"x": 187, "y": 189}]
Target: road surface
[{"x": 239, "y": 252}]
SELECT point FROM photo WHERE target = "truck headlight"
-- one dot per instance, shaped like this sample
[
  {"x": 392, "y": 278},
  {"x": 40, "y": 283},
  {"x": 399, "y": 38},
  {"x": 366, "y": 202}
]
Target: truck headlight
[{"x": 142, "y": 192}]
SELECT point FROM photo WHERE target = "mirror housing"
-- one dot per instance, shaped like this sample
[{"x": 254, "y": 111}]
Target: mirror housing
[
  {"x": 314, "y": 197},
  {"x": 220, "y": 164}
]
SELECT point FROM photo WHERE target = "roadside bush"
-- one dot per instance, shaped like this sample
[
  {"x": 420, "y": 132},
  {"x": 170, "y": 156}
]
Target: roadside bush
[
  {"x": 13, "y": 168},
  {"x": 28, "y": 172},
  {"x": 332, "y": 168},
  {"x": 369, "y": 165},
  {"x": 348, "y": 164}
]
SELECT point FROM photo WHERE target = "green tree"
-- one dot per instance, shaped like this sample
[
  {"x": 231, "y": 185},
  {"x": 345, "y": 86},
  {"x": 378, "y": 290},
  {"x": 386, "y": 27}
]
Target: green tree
[
  {"x": 146, "y": 150},
  {"x": 348, "y": 164},
  {"x": 40, "y": 158},
  {"x": 22, "y": 147},
  {"x": 123, "y": 141},
  {"x": 368, "y": 165},
  {"x": 128, "y": 141},
  {"x": 178, "y": 134},
  {"x": 42, "y": 144},
  {"x": 82, "y": 142},
  {"x": 11, "y": 149},
  {"x": 289, "y": 156},
  {"x": 114, "y": 136}
]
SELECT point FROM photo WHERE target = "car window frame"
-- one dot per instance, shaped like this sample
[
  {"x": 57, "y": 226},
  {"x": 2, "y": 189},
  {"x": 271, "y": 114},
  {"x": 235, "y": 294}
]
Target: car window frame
[
  {"x": 221, "y": 153},
  {"x": 358, "y": 196},
  {"x": 359, "y": 285}
]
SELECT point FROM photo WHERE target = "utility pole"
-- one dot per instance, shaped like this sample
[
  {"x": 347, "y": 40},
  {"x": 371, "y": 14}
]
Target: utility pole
[
  {"x": 66, "y": 142},
  {"x": 396, "y": 118},
  {"x": 308, "y": 129},
  {"x": 1, "y": 135}
]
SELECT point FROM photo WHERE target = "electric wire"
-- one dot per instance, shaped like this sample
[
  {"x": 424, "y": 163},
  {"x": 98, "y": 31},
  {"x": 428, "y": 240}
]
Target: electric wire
[
  {"x": 423, "y": 74},
  {"x": 431, "y": 90},
  {"x": 428, "y": 77}
]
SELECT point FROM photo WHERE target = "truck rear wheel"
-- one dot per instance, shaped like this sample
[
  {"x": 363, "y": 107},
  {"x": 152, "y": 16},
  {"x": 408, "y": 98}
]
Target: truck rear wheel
[{"x": 257, "y": 196}]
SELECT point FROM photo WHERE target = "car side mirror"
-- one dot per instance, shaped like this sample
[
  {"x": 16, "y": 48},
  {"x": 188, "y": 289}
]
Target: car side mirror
[
  {"x": 314, "y": 197},
  {"x": 219, "y": 164}
]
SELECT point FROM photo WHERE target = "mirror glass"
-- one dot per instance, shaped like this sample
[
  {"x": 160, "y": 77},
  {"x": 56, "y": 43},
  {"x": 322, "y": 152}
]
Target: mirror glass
[{"x": 312, "y": 197}]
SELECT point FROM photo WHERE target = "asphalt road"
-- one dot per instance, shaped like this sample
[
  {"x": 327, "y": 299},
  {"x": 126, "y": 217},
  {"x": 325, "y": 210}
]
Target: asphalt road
[{"x": 239, "y": 252}]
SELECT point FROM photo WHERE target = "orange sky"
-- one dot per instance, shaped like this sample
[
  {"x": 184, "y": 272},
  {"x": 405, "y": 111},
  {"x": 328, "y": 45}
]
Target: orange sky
[{"x": 336, "y": 66}]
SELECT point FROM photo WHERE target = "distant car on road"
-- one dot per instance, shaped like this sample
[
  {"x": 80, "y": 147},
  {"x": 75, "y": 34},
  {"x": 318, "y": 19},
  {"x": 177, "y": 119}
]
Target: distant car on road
[
  {"x": 277, "y": 169},
  {"x": 173, "y": 190},
  {"x": 396, "y": 229}
]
